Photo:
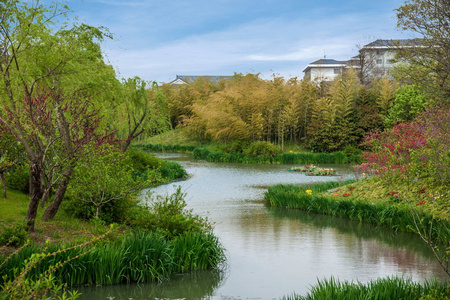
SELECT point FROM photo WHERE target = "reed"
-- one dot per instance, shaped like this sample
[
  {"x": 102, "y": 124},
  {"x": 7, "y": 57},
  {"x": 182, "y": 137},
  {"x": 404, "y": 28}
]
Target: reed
[
  {"x": 197, "y": 251},
  {"x": 139, "y": 257},
  {"x": 381, "y": 288}
]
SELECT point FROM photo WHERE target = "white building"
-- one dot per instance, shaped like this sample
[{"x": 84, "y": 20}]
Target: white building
[
  {"x": 379, "y": 57},
  {"x": 324, "y": 69},
  {"x": 374, "y": 60}
]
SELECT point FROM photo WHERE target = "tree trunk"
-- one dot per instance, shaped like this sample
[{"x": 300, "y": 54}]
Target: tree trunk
[
  {"x": 45, "y": 196},
  {"x": 35, "y": 194},
  {"x": 52, "y": 209},
  {"x": 2, "y": 176}
]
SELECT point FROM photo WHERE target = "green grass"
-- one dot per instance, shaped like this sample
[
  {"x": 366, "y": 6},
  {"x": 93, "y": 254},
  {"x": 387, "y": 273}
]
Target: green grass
[
  {"x": 379, "y": 289},
  {"x": 341, "y": 203},
  {"x": 138, "y": 257}
]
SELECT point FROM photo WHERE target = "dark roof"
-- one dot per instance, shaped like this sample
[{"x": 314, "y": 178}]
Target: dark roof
[
  {"x": 325, "y": 61},
  {"x": 394, "y": 43},
  {"x": 191, "y": 78}
]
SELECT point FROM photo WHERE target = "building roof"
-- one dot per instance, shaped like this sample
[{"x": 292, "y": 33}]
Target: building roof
[
  {"x": 393, "y": 43},
  {"x": 183, "y": 79},
  {"x": 325, "y": 63}
]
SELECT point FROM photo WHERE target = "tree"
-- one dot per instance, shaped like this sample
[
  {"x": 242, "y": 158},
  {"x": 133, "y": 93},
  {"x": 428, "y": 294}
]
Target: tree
[
  {"x": 44, "y": 78},
  {"x": 104, "y": 175},
  {"x": 408, "y": 103},
  {"x": 428, "y": 60},
  {"x": 413, "y": 159}
]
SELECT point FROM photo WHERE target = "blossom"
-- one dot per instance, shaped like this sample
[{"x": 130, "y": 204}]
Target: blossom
[{"x": 309, "y": 192}]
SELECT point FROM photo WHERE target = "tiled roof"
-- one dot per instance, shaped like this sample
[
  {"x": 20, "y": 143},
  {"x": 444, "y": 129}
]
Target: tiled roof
[
  {"x": 393, "y": 43},
  {"x": 325, "y": 61},
  {"x": 191, "y": 78}
]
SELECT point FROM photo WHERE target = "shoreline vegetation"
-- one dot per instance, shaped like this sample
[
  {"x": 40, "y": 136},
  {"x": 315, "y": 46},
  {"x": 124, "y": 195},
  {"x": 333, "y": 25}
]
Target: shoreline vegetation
[
  {"x": 218, "y": 155},
  {"x": 126, "y": 241}
]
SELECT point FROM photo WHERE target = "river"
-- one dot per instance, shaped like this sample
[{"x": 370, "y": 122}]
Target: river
[{"x": 275, "y": 252}]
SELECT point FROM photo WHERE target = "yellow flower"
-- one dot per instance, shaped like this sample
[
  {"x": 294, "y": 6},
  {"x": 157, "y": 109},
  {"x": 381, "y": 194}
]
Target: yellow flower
[
  {"x": 309, "y": 192},
  {"x": 364, "y": 174}
]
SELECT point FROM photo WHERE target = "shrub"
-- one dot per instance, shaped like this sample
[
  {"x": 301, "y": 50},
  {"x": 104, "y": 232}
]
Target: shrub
[
  {"x": 171, "y": 170},
  {"x": 18, "y": 178},
  {"x": 142, "y": 161},
  {"x": 168, "y": 215},
  {"x": 14, "y": 236},
  {"x": 261, "y": 148}
]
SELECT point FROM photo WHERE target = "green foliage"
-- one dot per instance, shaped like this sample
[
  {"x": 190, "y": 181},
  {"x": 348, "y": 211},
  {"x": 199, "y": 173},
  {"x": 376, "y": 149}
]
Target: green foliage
[
  {"x": 142, "y": 161},
  {"x": 408, "y": 103},
  {"x": 398, "y": 217},
  {"x": 168, "y": 215},
  {"x": 382, "y": 288},
  {"x": 104, "y": 183},
  {"x": 14, "y": 235},
  {"x": 262, "y": 149},
  {"x": 137, "y": 257},
  {"x": 196, "y": 251},
  {"x": 171, "y": 170},
  {"x": 429, "y": 64},
  {"x": 18, "y": 178}
]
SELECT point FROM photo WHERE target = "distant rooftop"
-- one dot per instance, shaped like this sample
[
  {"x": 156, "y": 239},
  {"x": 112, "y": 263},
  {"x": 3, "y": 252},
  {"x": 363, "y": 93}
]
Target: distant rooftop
[
  {"x": 325, "y": 62},
  {"x": 394, "y": 43},
  {"x": 183, "y": 79}
]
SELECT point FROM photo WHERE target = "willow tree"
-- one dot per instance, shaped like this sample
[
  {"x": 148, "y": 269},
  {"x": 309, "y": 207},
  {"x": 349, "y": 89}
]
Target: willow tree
[{"x": 45, "y": 73}]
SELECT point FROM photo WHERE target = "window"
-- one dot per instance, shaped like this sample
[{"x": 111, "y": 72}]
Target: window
[
  {"x": 379, "y": 61},
  {"x": 337, "y": 70}
]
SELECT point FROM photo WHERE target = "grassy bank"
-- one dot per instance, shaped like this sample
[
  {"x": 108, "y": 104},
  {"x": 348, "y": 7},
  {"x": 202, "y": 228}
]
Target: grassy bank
[
  {"x": 343, "y": 201},
  {"x": 383, "y": 288},
  {"x": 134, "y": 257},
  {"x": 145, "y": 242}
]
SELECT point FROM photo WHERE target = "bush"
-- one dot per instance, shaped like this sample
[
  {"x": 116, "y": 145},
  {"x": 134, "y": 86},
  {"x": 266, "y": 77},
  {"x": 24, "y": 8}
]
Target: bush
[
  {"x": 18, "y": 178},
  {"x": 143, "y": 161},
  {"x": 168, "y": 215},
  {"x": 14, "y": 236},
  {"x": 171, "y": 170},
  {"x": 234, "y": 147},
  {"x": 261, "y": 148}
]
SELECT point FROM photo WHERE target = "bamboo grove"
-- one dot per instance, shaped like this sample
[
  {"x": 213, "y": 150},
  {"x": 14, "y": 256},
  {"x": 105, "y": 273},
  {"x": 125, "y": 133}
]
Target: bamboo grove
[{"x": 324, "y": 117}]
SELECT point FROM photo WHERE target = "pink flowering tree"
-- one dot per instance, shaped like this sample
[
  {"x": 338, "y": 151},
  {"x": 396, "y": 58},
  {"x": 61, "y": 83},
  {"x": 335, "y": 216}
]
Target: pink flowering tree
[{"x": 415, "y": 157}]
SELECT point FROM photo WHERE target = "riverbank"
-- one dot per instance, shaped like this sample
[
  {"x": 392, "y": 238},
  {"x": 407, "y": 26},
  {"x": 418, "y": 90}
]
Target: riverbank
[
  {"x": 73, "y": 252},
  {"x": 145, "y": 242},
  {"x": 365, "y": 201},
  {"x": 218, "y": 155}
]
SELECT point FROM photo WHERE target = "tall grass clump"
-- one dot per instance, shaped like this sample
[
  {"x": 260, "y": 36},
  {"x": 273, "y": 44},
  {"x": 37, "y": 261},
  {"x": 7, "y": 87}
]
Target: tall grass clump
[
  {"x": 382, "y": 288},
  {"x": 197, "y": 251},
  {"x": 139, "y": 257}
]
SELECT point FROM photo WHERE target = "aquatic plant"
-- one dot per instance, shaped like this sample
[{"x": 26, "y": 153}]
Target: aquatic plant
[
  {"x": 381, "y": 288},
  {"x": 139, "y": 257}
]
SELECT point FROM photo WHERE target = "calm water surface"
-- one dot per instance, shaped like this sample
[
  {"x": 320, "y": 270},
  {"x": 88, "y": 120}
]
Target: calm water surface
[{"x": 275, "y": 252}]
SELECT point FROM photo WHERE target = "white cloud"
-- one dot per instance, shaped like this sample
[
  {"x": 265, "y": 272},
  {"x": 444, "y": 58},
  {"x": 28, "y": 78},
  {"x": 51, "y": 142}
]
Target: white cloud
[{"x": 267, "y": 46}]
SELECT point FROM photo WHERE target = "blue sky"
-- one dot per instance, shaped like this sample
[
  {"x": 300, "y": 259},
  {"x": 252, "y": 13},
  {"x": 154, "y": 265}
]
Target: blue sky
[{"x": 157, "y": 40}]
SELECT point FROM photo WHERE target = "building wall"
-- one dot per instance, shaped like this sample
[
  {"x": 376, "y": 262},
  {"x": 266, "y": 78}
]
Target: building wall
[{"x": 324, "y": 74}]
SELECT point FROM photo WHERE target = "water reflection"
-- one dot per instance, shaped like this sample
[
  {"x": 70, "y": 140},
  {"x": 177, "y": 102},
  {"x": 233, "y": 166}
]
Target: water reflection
[
  {"x": 194, "y": 285},
  {"x": 275, "y": 252}
]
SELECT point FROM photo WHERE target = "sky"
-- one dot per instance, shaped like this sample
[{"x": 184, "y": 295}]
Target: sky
[{"x": 157, "y": 40}]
